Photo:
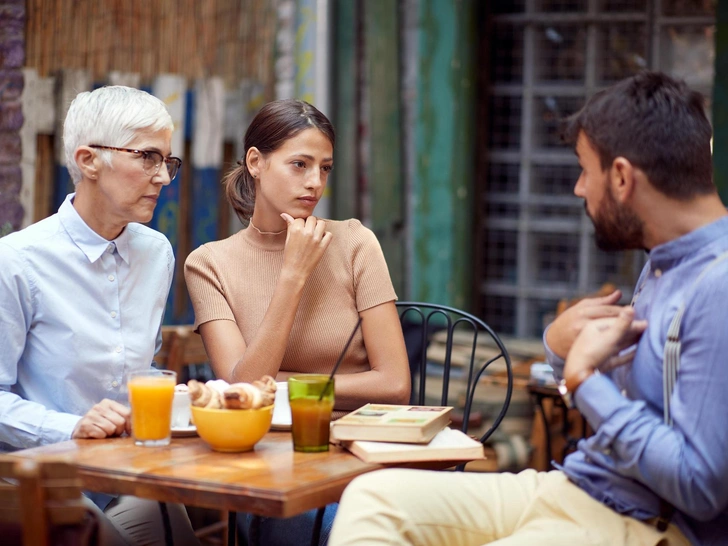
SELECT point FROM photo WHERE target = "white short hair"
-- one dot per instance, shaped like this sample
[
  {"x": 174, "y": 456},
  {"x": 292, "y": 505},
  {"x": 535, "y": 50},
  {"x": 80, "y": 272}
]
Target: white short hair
[{"x": 110, "y": 116}]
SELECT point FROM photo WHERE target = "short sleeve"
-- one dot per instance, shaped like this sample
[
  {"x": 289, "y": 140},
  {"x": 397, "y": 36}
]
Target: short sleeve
[
  {"x": 205, "y": 288},
  {"x": 372, "y": 283}
]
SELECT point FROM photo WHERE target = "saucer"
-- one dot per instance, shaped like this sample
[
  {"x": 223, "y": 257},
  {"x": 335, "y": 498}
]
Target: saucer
[{"x": 184, "y": 432}]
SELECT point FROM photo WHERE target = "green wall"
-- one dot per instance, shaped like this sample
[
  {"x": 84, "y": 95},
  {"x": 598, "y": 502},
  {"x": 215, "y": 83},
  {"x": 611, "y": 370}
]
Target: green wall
[
  {"x": 444, "y": 186},
  {"x": 720, "y": 102}
]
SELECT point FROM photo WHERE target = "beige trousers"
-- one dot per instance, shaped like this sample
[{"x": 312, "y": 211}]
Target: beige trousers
[
  {"x": 466, "y": 509},
  {"x": 131, "y": 521}
]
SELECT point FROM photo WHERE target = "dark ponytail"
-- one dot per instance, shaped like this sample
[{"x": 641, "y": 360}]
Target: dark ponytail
[{"x": 240, "y": 191}]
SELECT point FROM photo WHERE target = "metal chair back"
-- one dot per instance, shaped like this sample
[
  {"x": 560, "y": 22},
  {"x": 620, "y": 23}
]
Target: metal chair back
[{"x": 470, "y": 335}]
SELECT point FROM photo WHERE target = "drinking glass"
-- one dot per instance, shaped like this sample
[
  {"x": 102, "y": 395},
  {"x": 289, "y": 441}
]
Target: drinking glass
[
  {"x": 310, "y": 411},
  {"x": 151, "y": 393}
]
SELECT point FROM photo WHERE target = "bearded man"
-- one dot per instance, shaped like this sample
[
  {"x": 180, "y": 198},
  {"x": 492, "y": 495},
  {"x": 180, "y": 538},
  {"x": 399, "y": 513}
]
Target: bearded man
[{"x": 651, "y": 379}]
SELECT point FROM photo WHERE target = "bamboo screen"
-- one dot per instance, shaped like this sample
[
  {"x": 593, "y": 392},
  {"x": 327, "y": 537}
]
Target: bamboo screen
[{"x": 232, "y": 39}]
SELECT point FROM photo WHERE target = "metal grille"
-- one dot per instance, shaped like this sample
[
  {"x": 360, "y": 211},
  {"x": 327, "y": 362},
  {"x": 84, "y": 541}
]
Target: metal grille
[{"x": 546, "y": 58}]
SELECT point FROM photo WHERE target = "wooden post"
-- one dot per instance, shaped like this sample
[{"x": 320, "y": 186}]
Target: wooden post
[
  {"x": 39, "y": 113},
  {"x": 443, "y": 187},
  {"x": 385, "y": 176},
  {"x": 171, "y": 90},
  {"x": 207, "y": 148},
  {"x": 343, "y": 181},
  {"x": 720, "y": 101},
  {"x": 71, "y": 82}
]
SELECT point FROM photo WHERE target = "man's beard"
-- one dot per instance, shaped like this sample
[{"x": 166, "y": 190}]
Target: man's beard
[{"x": 615, "y": 226}]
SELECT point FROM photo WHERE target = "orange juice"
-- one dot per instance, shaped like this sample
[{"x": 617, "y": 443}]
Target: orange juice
[
  {"x": 151, "y": 407},
  {"x": 310, "y": 420}
]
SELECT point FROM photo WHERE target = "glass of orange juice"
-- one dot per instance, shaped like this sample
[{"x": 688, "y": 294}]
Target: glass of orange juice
[
  {"x": 151, "y": 393},
  {"x": 310, "y": 411}
]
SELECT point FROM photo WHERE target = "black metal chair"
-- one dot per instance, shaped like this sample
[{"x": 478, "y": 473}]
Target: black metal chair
[
  {"x": 423, "y": 321},
  {"x": 420, "y": 323}
]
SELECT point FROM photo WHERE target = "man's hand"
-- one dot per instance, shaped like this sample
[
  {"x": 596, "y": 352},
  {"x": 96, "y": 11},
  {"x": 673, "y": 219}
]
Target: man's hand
[
  {"x": 567, "y": 326},
  {"x": 599, "y": 344},
  {"x": 107, "y": 418}
]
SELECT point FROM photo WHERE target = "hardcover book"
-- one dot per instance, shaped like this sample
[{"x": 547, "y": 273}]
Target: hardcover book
[
  {"x": 447, "y": 445},
  {"x": 392, "y": 423}
]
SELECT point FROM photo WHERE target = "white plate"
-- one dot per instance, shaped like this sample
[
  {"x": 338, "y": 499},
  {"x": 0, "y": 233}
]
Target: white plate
[
  {"x": 281, "y": 409},
  {"x": 183, "y": 432}
]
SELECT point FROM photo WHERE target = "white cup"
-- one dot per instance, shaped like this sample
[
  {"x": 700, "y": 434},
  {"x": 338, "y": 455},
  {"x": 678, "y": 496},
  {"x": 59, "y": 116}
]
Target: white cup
[
  {"x": 181, "y": 409},
  {"x": 282, "y": 409}
]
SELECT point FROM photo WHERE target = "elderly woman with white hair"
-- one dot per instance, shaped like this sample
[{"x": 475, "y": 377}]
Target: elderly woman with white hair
[{"x": 82, "y": 295}]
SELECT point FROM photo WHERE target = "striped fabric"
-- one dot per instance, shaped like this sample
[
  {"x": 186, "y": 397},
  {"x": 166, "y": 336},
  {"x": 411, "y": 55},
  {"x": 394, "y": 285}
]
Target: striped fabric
[{"x": 671, "y": 354}]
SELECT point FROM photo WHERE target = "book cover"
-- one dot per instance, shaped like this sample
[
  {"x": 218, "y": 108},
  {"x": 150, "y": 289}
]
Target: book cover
[
  {"x": 392, "y": 423},
  {"x": 447, "y": 445}
]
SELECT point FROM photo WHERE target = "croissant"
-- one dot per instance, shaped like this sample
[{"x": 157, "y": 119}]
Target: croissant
[
  {"x": 243, "y": 396},
  {"x": 204, "y": 396},
  {"x": 266, "y": 384}
]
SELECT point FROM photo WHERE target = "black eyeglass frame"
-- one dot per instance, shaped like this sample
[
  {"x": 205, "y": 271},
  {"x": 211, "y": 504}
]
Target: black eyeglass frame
[{"x": 173, "y": 164}]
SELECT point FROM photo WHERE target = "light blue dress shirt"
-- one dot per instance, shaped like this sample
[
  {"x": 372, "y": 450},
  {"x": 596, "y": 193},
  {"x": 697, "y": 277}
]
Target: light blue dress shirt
[
  {"x": 77, "y": 313},
  {"x": 633, "y": 457}
]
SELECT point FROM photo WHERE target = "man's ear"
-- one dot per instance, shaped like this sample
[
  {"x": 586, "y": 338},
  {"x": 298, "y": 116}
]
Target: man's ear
[
  {"x": 254, "y": 161},
  {"x": 622, "y": 179},
  {"x": 87, "y": 161}
]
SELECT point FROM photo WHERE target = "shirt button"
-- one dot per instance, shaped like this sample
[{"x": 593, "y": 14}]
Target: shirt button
[
  {"x": 624, "y": 392},
  {"x": 113, "y": 314},
  {"x": 110, "y": 248},
  {"x": 607, "y": 452},
  {"x": 114, "y": 384},
  {"x": 111, "y": 277},
  {"x": 118, "y": 349},
  {"x": 658, "y": 273}
]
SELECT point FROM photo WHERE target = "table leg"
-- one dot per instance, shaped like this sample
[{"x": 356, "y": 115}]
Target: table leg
[
  {"x": 546, "y": 429},
  {"x": 168, "y": 540},
  {"x": 232, "y": 528},
  {"x": 571, "y": 442},
  {"x": 317, "y": 524}
]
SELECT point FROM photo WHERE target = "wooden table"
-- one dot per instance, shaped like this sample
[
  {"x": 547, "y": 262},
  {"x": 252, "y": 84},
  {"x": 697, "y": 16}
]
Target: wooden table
[
  {"x": 272, "y": 480},
  {"x": 569, "y": 434}
]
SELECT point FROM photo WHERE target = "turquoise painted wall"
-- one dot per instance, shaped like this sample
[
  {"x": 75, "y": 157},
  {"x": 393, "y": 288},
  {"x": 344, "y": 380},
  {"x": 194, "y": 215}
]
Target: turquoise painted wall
[
  {"x": 720, "y": 102},
  {"x": 444, "y": 185}
]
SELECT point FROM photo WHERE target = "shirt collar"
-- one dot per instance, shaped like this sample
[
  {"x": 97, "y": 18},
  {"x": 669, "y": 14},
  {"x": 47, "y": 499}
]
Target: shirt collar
[
  {"x": 671, "y": 253},
  {"x": 91, "y": 243}
]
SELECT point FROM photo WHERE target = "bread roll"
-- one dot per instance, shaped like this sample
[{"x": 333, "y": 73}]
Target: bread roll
[
  {"x": 204, "y": 396},
  {"x": 266, "y": 384}
]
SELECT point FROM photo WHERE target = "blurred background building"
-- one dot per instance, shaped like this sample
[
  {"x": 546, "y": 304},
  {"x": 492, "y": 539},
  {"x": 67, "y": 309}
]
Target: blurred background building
[{"x": 447, "y": 115}]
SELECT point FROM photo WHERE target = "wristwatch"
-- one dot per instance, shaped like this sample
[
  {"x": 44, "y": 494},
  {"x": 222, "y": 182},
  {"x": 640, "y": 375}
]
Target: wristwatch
[{"x": 567, "y": 394}]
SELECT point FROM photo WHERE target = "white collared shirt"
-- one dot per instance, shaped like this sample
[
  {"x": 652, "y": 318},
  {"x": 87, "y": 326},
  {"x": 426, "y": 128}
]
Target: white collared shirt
[{"x": 77, "y": 312}]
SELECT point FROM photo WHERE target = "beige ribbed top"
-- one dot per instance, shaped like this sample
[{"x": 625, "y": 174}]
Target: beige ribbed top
[{"x": 234, "y": 279}]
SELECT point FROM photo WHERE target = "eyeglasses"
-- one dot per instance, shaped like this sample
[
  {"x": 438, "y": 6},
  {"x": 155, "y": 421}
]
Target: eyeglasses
[{"x": 151, "y": 160}]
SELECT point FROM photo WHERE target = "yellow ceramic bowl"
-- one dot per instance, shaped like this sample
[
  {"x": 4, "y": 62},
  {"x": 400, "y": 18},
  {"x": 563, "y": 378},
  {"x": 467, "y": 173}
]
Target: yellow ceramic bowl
[{"x": 232, "y": 430}]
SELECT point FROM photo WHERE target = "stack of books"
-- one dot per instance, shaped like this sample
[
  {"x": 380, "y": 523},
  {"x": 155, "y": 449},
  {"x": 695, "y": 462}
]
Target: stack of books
[{"x": 378, "y": 433}]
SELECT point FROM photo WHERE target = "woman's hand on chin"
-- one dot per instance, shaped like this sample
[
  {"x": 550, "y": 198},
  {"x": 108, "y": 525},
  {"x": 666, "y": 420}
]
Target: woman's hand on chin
[{"x": 306, "y": 242}]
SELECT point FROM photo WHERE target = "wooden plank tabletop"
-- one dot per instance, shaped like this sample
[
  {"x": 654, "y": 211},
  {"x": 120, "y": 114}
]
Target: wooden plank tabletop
[{"x": 272, "y": 480}]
